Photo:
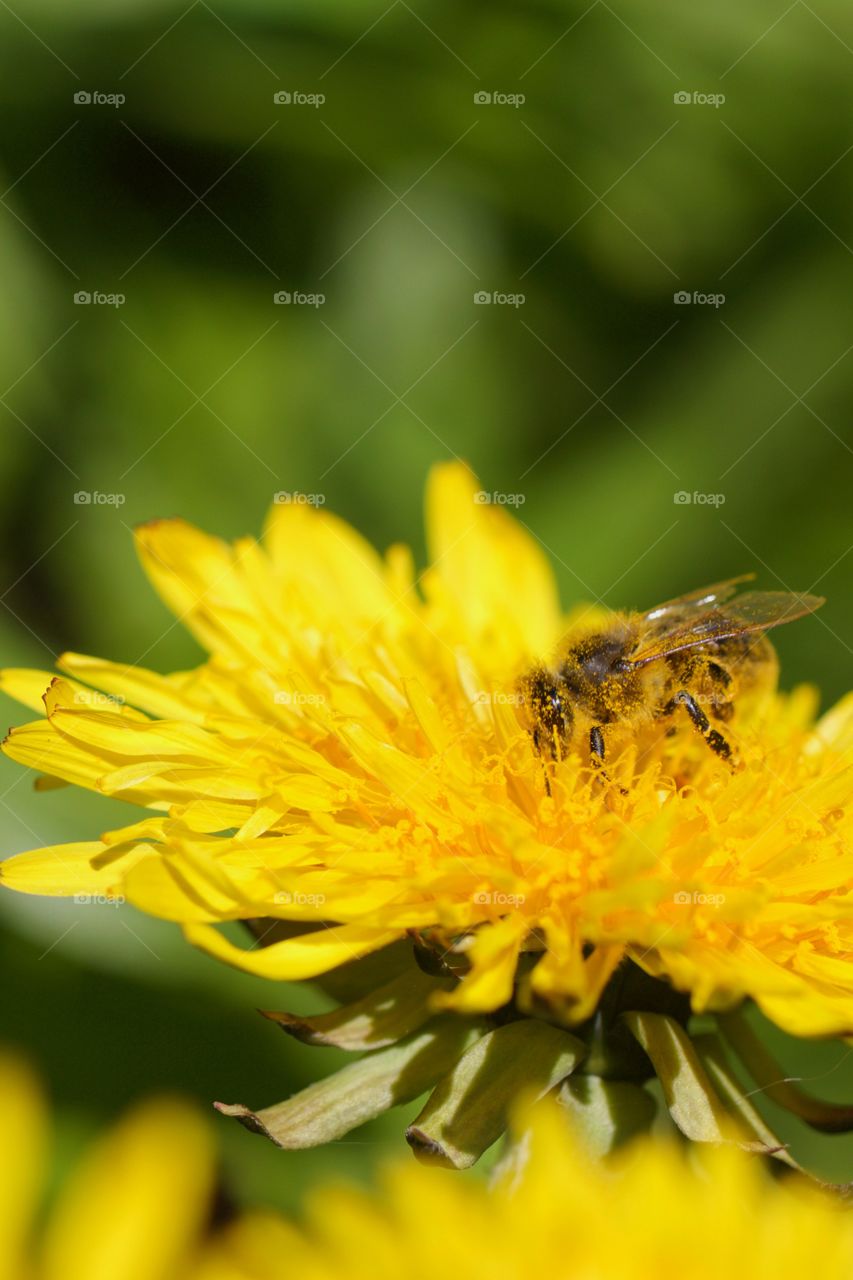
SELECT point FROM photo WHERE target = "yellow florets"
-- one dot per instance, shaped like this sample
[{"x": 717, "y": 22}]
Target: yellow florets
[{"x": 352, "y": 757}]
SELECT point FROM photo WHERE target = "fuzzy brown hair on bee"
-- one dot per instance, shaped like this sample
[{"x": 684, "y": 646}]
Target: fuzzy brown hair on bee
[{"x": 699, "y": 653}]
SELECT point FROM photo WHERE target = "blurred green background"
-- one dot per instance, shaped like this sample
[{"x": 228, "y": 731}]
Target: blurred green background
[{"x": 574, "y": 158}]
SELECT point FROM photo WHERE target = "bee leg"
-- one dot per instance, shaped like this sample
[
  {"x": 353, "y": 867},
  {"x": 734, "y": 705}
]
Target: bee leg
[
  {"x": 537, "y": 740},
  {"x": 596, "y": 755},
  {"x": 542, "y": 739},
  {"x": 721, "y": 707},
  {"x": 713, "y": 737}
]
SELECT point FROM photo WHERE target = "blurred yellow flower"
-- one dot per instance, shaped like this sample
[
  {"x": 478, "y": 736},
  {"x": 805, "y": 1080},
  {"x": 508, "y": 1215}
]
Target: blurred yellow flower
[
  {"x": 135, "y": 1208},
  {"x": 139, "y": 1207},
  {"x": 349, "y": 770},
  {"x": 650, "y": 1213}
]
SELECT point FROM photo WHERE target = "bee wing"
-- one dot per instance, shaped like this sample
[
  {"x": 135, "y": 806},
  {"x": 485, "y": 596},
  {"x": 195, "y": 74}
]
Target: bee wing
[
  {"x": 750, "y": 612},
  {"x": 701, "y": 600}
]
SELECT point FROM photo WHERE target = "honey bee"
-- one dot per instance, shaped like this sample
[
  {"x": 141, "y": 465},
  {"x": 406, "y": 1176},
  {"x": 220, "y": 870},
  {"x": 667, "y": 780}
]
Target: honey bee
[{"x": 702, "y": 650}]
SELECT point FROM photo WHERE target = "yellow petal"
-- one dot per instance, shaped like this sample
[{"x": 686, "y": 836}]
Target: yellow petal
[
  {"x": 32, "y": 688},
  {"x": 493, "y": 957},
  {"x": 26, "y": 685},
  {"x": 332, "y": 567},
  {"x": 167, "y": 696},
  {"x": 108, "y": 732},
  {"x": 23, "y": 1126},
  {"x": 177, "y": 888},
  {"x": 39, "y": 746},
  {"x": 63, "y": 870},
  {"x": 835, "y": 728},
  {"x": 806, "y": 1014},
  {"x": 571, "y": 980},
  {"x": 302, "y": 957},
  {"x": 196, "y": 576},
  {"x": 135, "y": 1206},
  {"x": 252, "y": 1247},
  {"x": 495, "y": 575}
]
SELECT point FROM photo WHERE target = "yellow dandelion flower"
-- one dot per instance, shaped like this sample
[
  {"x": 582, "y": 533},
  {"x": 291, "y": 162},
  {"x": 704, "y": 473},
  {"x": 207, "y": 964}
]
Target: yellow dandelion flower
[
  {"x": 352, "y": 772},
  {"x": 650, "y": 1213},
  {"x": 137, "y": 1206}
]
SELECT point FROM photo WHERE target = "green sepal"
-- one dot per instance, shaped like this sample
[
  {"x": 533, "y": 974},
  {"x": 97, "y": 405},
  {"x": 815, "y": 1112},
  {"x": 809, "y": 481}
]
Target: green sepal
[
  {"x": 719, "y": 1070},
  {"x": 468, "y": 1110},
  {"x": 379, "y": 1019},
  {"x": 690, "y": 1096},
  {"x": 606, "y": 1113},
  {"x": 612, "y": 1052},
  {"x": 327, "y": 1110},
  {"x": 828, "y": 1117}
]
